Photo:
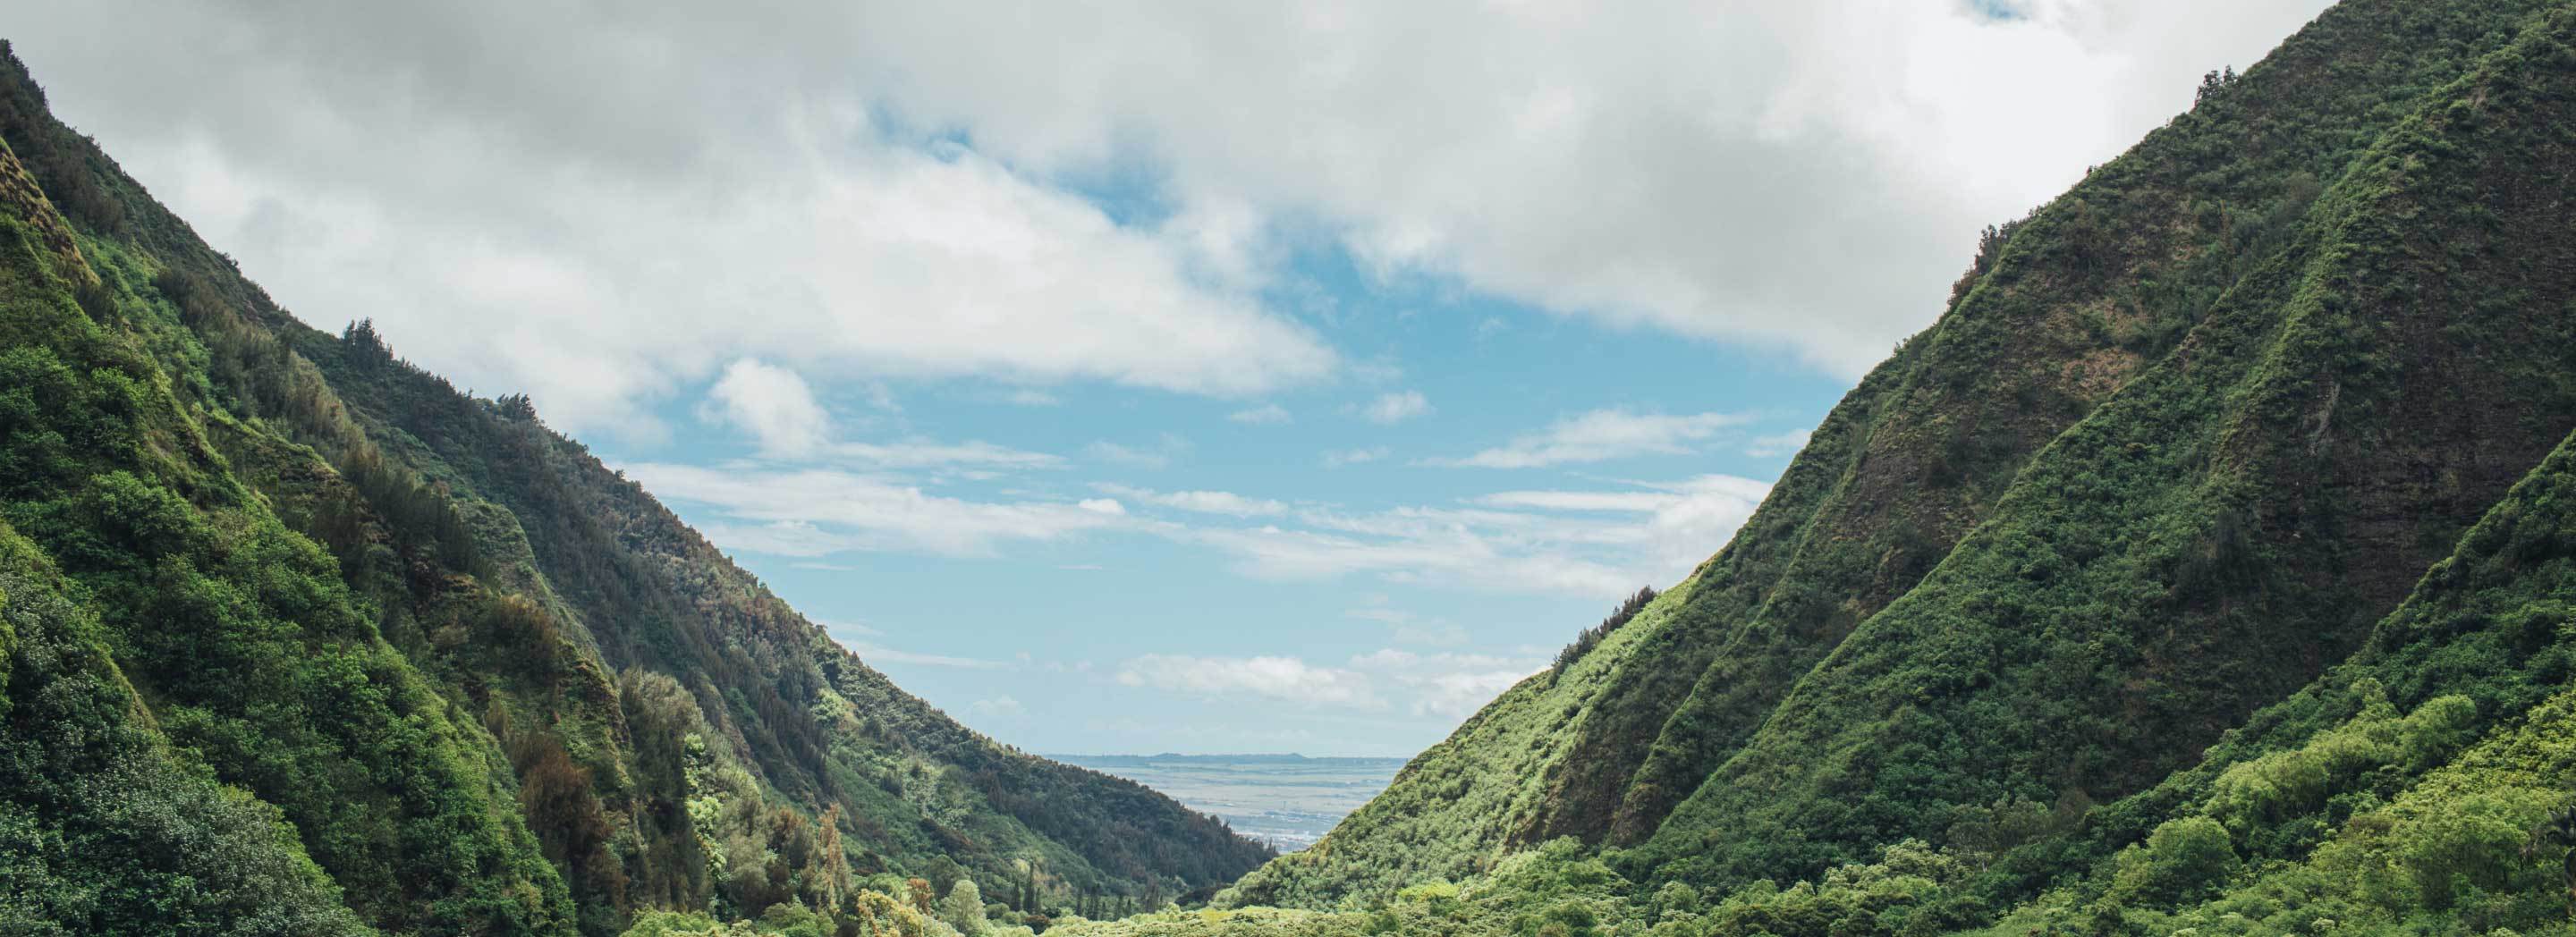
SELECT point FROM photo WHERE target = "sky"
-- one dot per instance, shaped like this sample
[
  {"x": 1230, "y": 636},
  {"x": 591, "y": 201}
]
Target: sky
[{"x": 1148, "y": 376}]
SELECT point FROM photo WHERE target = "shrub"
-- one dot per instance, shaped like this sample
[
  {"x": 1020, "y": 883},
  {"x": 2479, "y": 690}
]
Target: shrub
[{"x": 2182, "y": 860}]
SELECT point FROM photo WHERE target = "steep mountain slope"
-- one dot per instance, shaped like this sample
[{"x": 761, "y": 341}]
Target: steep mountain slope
[
  {"x": 229, "y": 634},
  {"x": 2223, "y": 527},
  {"x": 2408, "y": 778},
  {"x": 2428, "y": 785},
  {"x": 388, "y": 656},
  {"x": 2181, "y": 437},
  {"x": 105, "y": 827}
]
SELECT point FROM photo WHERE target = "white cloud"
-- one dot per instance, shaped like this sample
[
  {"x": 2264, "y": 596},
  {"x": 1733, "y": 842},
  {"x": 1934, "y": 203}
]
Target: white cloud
[
  {"x": 1407, "y": 628},
  {"x": 879, "y": 654},
  {"x": 1285, "y": 678},
  {"x": 1448, "y": 685},
  {"x": 999, "y": 707},
  {"x": 1459, "y": 695},
  {"x": 780, "y": 412},
  {"x": 1602, "y": 435},
  {"x": 477, "y": 179},
  {"x": 1579, "y": 500},
  {"x": 813, "y": 512},
  {"x": 773, "y": 404},
  {"x": 1397, "y": 407},
  {"x": 1386, "y": 658},
  {"x": 1706, "y": 168},
  {"x": 1203, "y": 502},
  {"x": 1158, "y": 455},
  {"x": 1705, "y": 515},
  {"x": 786, "y": 537},
  {"x": 1389, "y": 683},
  {"x": 1267, "y": 414},
  {"x": 1341, "y": 457},
  {"x": 1685, "y": 522},
  {"x": 1763, "y": 447},
  {"x": 838, "y": 628},
  {"x": 1585, "y": 543},
  {"x": 923, "y": 453},
  {"x": 599, "y": 203},
  {"x": 1455, "y": 556}
]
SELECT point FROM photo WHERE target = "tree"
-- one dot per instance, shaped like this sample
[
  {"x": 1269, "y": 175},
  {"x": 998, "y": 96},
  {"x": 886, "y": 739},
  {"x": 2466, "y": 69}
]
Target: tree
[
  {"x": 2555, "y": 833},
  {"x": 2211, "y": 83},
  {"x": 2475, "y": 840},
  {"x": 2182, "y": 860},
  {"x": 516, "y": 407},
  {"x": 1587, "y": 639},
  {"x": 964, "y": 909},
  {"x": 366, "y": 346},
  {"x": 836, "y": 861},
  {"x": 943, "y": 873},
  {"x": 879, "y": 914},
  {"x": 555, "y": 795},
  {"x": 1026, "y": 901}
]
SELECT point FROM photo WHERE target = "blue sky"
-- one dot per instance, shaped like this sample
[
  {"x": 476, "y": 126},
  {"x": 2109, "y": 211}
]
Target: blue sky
[
  {"x": 1129, "y": 639},
  {"x": 1145, "y": 376}
]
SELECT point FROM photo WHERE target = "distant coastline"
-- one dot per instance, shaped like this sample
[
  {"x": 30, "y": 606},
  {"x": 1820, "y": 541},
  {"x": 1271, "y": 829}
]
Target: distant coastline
[
  {"x": 1245, "y": 758},
  {"x": 1287, "y": 800}
]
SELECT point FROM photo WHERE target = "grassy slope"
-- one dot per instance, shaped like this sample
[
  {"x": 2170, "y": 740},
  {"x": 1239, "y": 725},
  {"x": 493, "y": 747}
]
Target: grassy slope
[
  {"x": 1484, "y": 780},
  {"x": 2081, "y": 301}
]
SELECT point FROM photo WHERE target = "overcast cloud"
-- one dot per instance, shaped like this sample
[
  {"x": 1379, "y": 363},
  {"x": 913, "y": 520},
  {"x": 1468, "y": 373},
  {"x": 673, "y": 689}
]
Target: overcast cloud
[{"x": 563, "y": 197}]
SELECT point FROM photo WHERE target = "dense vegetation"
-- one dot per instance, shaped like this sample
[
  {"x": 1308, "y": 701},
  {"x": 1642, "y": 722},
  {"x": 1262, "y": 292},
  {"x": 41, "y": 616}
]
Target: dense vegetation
[
  {"x": 296, "y": 639},
  {"x": 2104, "y": 605},
  {"x": 2209, "y": 567}
]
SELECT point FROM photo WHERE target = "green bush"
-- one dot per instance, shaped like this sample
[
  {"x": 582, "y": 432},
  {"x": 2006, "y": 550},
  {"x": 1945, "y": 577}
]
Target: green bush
[{"x": 2183, "y": 860}]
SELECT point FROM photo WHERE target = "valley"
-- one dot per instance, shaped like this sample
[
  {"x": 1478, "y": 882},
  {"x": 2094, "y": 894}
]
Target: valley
[{"x": 2206, "y": 566}]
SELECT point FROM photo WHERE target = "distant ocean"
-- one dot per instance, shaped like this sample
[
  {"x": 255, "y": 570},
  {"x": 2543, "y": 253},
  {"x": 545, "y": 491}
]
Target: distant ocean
[{"x": 1288, "y": 801}]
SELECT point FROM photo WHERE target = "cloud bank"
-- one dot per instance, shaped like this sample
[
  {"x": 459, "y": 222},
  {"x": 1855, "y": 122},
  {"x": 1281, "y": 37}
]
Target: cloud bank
[{"x": 601, "y": 203}]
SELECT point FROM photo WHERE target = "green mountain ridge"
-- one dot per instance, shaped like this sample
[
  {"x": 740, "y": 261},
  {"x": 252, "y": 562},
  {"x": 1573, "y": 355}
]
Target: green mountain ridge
[
  {"x": 2129, "y": 516},
  {"x": 301, "y": 640}
]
